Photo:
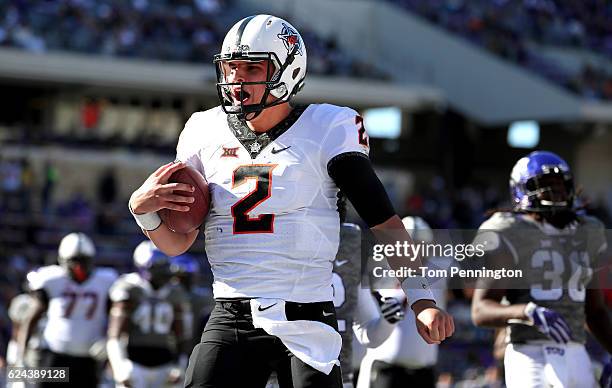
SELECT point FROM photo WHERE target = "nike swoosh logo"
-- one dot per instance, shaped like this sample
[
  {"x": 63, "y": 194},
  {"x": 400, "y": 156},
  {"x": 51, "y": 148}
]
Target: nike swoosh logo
[
  {"x": 340, "y": 263},
  {"x": 326, "y": 314},
  {"x": 265, "y": 308},
  {"x": 276, "y": 151}
]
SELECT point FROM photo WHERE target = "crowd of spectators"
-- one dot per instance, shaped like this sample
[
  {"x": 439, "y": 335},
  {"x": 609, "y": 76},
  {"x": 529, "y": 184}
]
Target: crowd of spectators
[
  {"x": 469, "y": 206},
  {"x": 191, "y": 31},
  {"x": 506, "y": 28},
  {"x": 178, "y": 30}
]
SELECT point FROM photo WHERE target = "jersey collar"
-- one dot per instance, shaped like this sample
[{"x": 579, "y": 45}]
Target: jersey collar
[
  {"x": 550, "y": 229},
  {"x": 255, "y": 143}
]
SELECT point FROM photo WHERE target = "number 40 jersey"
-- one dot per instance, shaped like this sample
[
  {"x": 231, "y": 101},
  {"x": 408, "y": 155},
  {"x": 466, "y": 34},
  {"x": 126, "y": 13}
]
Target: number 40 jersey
[
  {"x": 151, "y": 340},
  {"x": 273, "y": 226},
  {"x": 76, "y": 315},
  {"x": 557, "y": 265}
]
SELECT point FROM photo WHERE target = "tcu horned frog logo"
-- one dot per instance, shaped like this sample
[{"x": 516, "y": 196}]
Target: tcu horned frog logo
[{"x": 290, "y": 38}]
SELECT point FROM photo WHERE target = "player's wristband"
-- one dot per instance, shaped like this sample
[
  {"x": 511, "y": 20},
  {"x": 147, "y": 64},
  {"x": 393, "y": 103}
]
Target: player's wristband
[
  {"x": 148, "y": 221},
  {"x": 417, "y": 288},
  {"x": 117, "y": 357},
  {"x": 529, "y": 311}
]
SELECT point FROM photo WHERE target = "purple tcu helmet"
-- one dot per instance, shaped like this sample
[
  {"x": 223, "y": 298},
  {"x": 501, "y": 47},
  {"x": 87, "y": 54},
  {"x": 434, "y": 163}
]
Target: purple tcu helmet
[
  {"x": 152, "y": 263},
  {"x": 184, "y": 264},
  {"x": 542, "y": 182}
]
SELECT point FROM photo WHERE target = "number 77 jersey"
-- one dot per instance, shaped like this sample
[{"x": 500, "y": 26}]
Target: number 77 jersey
[
  {"x": 273, "y": 227},
  {"x": 76, "y": 314}
]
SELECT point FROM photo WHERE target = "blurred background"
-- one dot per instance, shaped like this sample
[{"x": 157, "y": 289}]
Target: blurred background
[{"x": 453, "y": 92}]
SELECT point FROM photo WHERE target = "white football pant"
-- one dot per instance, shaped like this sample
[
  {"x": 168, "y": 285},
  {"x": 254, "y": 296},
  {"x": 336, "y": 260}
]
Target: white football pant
[{"x": 548, "y": 364}]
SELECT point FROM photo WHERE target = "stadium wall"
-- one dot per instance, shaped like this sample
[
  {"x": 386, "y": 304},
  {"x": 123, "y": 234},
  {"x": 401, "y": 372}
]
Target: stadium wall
[{"x": 169, "y": 77}]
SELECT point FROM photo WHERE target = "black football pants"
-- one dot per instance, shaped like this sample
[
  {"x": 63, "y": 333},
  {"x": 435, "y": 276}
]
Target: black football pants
[
  {"x": 82, "y": 371},
  {"x": 384, "y": 375},
  {"x": 233, "y": 354}
]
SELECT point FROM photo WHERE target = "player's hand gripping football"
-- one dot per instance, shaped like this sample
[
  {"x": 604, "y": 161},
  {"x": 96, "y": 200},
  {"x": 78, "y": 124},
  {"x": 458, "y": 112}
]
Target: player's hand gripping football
[
  {"x": 549, "y": 322},
  {"x": 156, "y": 193},
  {"x": 433, "y": 323}
]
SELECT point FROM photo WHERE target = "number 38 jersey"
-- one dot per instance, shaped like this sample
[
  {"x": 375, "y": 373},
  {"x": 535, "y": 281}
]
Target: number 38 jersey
[
  {"x": 76, "y": 315},
  {"x": 557, "y": 265},
  {"x": 273, "y": 226}
]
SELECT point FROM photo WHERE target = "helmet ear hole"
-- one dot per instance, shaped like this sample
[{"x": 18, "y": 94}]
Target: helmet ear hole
[{"x": 295, "y": 73}]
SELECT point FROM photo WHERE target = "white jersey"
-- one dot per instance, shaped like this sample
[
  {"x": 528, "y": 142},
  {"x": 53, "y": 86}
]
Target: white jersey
[
  {"x": 273, "y": 226},
  {"x": 76, "y": 315}
]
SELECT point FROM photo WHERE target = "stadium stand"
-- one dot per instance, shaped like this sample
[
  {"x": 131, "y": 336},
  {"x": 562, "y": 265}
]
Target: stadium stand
[
  {"x": 187, "y": 31},
  {"x": 509, "y": 29}
]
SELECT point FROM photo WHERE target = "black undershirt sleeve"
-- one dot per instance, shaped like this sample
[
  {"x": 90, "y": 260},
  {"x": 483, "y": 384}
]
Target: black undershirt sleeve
[{"x": 353, "y": 174}]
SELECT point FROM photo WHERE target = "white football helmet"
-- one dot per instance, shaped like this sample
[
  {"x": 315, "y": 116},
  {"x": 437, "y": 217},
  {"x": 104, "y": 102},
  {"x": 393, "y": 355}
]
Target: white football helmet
[
  {"x": 263, "y": 38},
  {"x": 418, "y": 229},
  {"x": 76, "y": 253},
  {"x": 152, "y": 264}
]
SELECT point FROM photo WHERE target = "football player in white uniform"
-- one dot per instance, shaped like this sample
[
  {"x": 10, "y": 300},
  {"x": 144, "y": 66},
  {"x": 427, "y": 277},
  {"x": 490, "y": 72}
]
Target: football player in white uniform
[
  {"x": 557, "y": 250},
  {"x": 145, "y": 331},
  {"x": 19, "y": 310},
  {"x": 274, "y": 172},
  {"x": 74, "y": 296},
  {"x": 396, "y": 354}
]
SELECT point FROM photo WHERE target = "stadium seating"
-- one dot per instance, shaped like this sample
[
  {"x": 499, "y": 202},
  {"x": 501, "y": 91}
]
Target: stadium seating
[
  {"x": 515, "y": 30},
  {"x": 161, "y": 30}
]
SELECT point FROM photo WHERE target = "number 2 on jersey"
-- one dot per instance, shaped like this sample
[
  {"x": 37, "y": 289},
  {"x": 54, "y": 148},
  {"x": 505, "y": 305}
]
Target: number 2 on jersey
[
  {"x": 363, "y": 136},
  {"x": 243, "y": 223}
]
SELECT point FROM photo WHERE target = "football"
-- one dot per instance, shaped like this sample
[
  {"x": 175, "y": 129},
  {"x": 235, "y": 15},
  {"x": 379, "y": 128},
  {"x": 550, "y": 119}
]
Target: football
[{"x": 185, "y": 222}]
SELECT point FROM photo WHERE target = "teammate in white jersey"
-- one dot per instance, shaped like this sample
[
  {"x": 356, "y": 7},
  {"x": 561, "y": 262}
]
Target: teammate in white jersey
[
  {"x": 274, "y": 171},
  {"x": 20, "y": 309},
  {"x": 557, "y": 250},
  {"x": 74, "y": 296},
  {"x": 401, "y": 356}
]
